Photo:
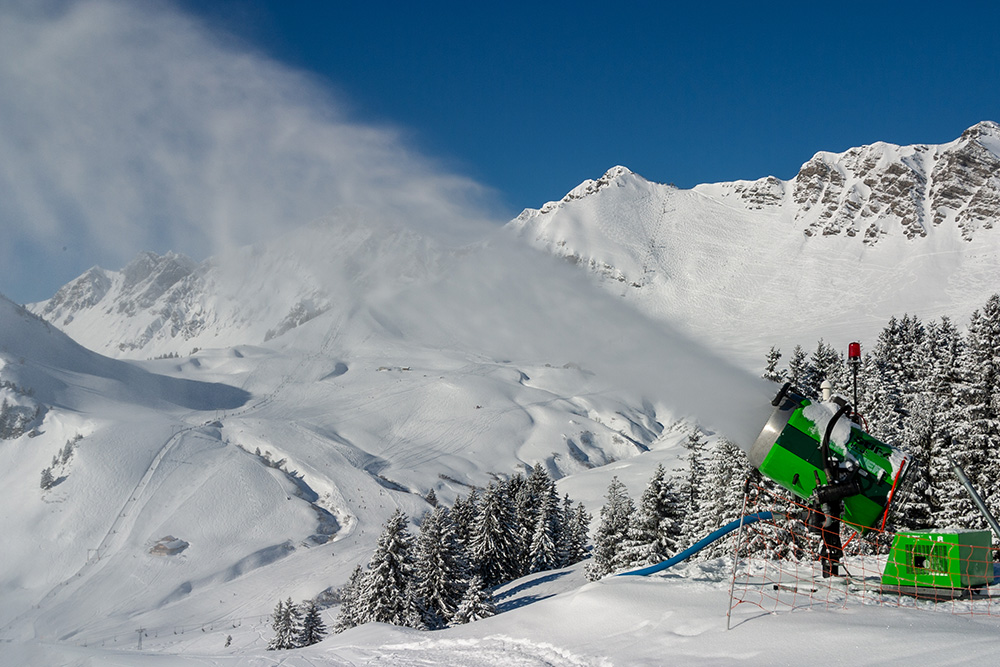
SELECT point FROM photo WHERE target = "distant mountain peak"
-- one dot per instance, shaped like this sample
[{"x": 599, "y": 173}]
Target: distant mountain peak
[{"x": 616, "y": 175}]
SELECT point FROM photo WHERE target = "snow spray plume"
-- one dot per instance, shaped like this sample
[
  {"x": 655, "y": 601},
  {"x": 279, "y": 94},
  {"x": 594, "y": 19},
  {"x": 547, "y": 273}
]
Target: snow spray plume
[
  {"x": 511, "y": 302},
  {"x": 131, "y": 126}
]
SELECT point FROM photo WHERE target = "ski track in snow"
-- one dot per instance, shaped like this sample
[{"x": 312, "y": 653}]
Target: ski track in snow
[{"x": 491, "y": 651}]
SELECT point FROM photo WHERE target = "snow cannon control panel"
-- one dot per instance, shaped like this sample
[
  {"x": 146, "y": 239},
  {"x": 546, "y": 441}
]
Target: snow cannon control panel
[{"x": 814, "y": 450}]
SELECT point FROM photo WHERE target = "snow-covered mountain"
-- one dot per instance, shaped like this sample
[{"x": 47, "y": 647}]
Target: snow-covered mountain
[
  {"x": 307, "y": 387},
  {"x": 170, "y": 304},
  {"x": 854, "y": 238}
]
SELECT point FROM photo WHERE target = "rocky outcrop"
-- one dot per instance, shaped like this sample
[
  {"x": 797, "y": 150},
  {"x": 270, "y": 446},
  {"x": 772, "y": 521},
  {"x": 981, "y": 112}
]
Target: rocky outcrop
[{"x": 881, "y": 189}]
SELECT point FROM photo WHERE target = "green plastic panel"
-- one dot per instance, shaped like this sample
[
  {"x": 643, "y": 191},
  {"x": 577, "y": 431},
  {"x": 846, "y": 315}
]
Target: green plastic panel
[
  {"x": 795, "y": 462},
  {"x": 940, "y": 559}
]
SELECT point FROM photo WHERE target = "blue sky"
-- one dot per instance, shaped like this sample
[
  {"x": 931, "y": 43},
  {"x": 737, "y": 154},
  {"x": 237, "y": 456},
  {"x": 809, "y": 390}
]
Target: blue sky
[
  {"x": 531, "y": 98},
  {"x": 190, "y": 126}
]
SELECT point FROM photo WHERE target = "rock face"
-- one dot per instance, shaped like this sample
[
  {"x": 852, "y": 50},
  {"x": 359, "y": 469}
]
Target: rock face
[{"x": 872, "y": 190}]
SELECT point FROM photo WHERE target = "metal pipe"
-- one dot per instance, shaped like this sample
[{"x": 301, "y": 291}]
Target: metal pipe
[{"x": 976, "y": 498}]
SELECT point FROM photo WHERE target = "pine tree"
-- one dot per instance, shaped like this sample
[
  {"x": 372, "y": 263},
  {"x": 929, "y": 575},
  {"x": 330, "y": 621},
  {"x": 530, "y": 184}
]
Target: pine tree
[
  {"x": 348, "y": 616},
  {"x": 725, "y": 473},
  {"x": 798, "y": 370},
  {"x": 976, "y": 423},
  {"x": 579, "y": 534},
  {"x": 542, "y": 552},
  {"x": 386, "y": 594},
  {"x": 826, "y": 363},
  {"x": 530, "y": 495},
  {"x": 286, "y": 625},
  {"x": 566, "y": 547},
  {"x": 914, "y": 508},
  {"x": 463, "y": 518},
  {"x": 67, "y": 452},
  {"x": 654, "y": 531},
  {"x": 940, "y": 386},
  {"x": 441, "y": 570},
  {"x": 47, "y": 479},
  {"x": 476, "y": 604},
  {"x": 495, "y": 548},
  {"x": 692, "y": 488},
  {"x": 313, "y": 629},
  {"x": 771, "y": 371},
  {"x": 784, "y": 537},
  {"x": 607, "y": 556}
]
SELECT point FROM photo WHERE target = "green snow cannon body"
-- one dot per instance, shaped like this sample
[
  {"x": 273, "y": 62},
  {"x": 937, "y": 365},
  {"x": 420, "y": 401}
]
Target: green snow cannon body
[{"x": 789, "y": 450}]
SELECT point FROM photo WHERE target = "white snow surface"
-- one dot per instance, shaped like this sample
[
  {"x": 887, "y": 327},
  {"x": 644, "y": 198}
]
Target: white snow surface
[
  {"x": 751, "y": 264},
  {"x": 344, "y": 371}
]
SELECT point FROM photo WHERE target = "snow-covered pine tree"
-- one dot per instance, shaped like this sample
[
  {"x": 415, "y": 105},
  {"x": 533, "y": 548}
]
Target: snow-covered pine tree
[
  {"x": 607, "y": 556},
  {"x": 655, "y": 528},
  {"x": 771, "y": 370},
  {"x": 975, "y": 426},
  {"x": 441, "y": 570},
  {"x": 279, "y": 623},
  {"x": 725, "y": 474},
  {"x": 313, "y": 628},
  {"x": 939, "y": 383},
  {"x": 798, "y": 369},
  {"x": 47, "y": 479},
  {"x": 495, "y": 546},
  {"x": 386, "y": 593},
  {"x": 785, "y": 537},
  {"x": 914, "y": 508},
  {"x": 692, "y": 489},
  {"x": 827, "y": 364},
  {"x": 985, "y": 337},
  {"x": 578, "y": 531},
  {"x": 476, "y": 604},
  {"x": 348, "y": 616},
  {"x": 524, "y": 518},
  {"x": 285, "y": 622},
  {"x": 542, "y": 552},
  {"x": 893, "y": 380},
  {"x": 463, "y": 518},
  {"x": 566, "y": 547},
  {"x": 67, "y": 452},
  {"x": 529, "y": 495}
]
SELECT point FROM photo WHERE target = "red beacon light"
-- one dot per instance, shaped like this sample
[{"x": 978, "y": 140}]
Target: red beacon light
[{"x": 854, "y": 361}]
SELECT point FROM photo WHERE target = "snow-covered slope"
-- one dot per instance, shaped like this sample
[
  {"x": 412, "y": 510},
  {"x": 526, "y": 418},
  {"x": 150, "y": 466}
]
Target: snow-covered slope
[
  {"x": 853, "y": 239},
  {"x": 279, "y": 473},
  {"x": 346, "y": 370}
]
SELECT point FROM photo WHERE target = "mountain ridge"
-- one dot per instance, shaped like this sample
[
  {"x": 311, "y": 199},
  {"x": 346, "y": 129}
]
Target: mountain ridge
[
  {"x": 788, "y": 262},
  {"x": 883, "y": 218}
]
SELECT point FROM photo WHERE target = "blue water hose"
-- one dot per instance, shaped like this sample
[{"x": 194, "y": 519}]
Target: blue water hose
[{"x": 700, "y": 544}]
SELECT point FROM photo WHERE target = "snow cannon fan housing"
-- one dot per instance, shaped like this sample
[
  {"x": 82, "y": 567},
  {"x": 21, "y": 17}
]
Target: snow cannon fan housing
[{"x": 789, "y": 450}]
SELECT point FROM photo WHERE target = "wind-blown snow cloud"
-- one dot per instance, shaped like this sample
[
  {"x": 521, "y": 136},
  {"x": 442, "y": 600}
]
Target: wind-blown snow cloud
[{"x": 131, "y": 126}]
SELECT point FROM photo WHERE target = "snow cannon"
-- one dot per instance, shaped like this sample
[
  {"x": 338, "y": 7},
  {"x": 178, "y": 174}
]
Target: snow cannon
[{"x": 816, "y": 451}]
